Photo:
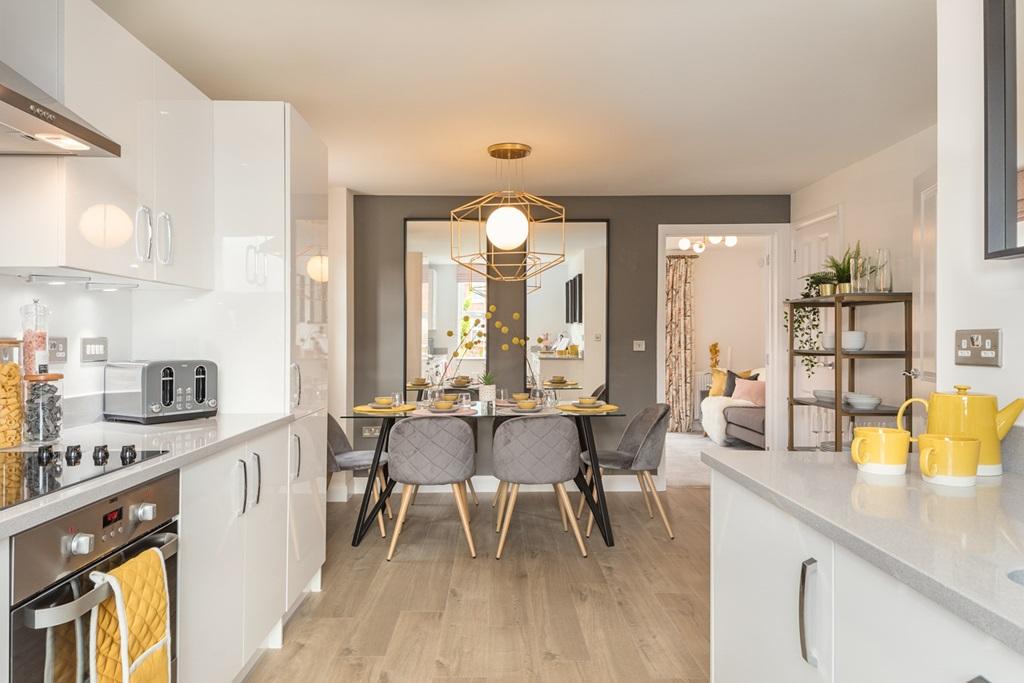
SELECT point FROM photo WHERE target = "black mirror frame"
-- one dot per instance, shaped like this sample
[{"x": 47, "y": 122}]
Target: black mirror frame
[{"x": 1001, "y": 131}]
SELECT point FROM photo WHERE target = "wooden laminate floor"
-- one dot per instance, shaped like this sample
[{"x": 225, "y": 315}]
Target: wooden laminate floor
[{"x": 637, "y": 611}]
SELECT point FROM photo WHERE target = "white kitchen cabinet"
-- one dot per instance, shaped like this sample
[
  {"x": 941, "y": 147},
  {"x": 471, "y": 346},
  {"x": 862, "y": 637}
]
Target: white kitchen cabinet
[
  {"x": 211, "y": 567},
  {"x": 265, "y": 538},
  {"x": 231, "y": 567},
  {"x": 887, "y": 631},
  {"x": 307, "y": 503},
  {"x": 29, "y": 41},
  {"x": 762, "y": 561}
]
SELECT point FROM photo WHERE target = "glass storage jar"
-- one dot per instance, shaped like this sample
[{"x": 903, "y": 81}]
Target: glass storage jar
[
  {"x": 43, "y": 410},
  {"x": 35, "y": 355},
  {"x": 10, "y": 392}
]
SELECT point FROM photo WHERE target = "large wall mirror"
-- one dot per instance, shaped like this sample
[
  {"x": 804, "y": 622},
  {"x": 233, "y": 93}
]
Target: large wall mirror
[
  {"x": 1004, "y": 129},
  {"x": 567, "y": 310}
]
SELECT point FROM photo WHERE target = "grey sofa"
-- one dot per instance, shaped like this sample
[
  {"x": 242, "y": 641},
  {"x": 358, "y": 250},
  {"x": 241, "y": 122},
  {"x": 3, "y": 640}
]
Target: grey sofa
[{"x": 746, "y": 424}]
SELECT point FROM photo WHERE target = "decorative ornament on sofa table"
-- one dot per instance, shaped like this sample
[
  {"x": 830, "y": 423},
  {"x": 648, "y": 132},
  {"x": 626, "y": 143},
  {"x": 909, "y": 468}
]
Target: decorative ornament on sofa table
[{"x": 509, "y": 235}]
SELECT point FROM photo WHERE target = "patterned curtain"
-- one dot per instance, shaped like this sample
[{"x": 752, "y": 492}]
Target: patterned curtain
[{"x": 679, "y": 349}]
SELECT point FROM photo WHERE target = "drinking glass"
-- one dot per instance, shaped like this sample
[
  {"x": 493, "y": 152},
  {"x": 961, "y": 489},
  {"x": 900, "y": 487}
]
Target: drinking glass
[
  {"x": 816, "y": 423},
  {"x": 550, "y": 398},
  {"x": 435, "y": 394},
  {"x": 397, "y": 399},
  {"x": 537, "y": 394},
  {"x": 501, "y": 394},
  {"x": 464, "y": 399}
]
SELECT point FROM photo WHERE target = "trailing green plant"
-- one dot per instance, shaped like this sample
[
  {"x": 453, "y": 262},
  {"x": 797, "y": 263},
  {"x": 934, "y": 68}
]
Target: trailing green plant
[
  {"x": 822, "y": 277},
  {"x": 807, "y": 321}
]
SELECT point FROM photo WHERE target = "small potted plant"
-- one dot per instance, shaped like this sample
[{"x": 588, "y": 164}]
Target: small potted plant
[
  {"x": 842, "y": 268},
  {"x": 822, "y": 283},
  {"x": 488, "y": 393}
]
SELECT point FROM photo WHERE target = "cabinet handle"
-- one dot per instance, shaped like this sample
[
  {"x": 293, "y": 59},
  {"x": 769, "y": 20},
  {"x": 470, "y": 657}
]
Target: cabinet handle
[
  {"x": 147, "y": 254},
  {"x": 245, "y": 486},
  {"x": 808, "y": 564},
  {"x": 298, "y": 455},
  {"x": 298, "y": 377},
  {"x": 168, "y": 223},
  {"x": 259, "y": 478}
]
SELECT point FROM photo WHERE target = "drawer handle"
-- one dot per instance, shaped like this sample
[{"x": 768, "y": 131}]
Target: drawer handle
[
  {"x": 245, "y": 486},
  {"x": 298, "y": 455},
  {"x": 259, "y": 478},
  {"x": 805, "y": 568}
]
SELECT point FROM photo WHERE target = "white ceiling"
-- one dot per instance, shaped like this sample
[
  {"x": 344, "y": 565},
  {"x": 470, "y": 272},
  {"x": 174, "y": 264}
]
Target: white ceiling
[{"x": 617, "y": 97}]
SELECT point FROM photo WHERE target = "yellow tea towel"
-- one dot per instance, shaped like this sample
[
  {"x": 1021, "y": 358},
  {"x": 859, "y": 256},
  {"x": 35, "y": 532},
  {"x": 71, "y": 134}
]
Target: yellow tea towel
[{"x": 130, "y": 632}]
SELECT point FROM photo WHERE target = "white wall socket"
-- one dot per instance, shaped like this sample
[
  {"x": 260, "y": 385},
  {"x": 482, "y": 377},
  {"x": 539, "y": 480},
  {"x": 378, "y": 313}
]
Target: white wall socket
[{"x": 639, "y": 345}]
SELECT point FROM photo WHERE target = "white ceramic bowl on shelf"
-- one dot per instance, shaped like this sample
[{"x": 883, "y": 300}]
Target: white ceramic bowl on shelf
[
  {"x": 828, "y": 341},
  {"x": 827, "y": 395},
  {"x": 854, "y": 340},
  {"x": 863, "y": 401}
]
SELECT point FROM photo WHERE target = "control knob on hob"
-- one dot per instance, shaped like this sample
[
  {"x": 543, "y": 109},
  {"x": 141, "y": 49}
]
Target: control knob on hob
[
  {"x": 81, "y": 544},
  {"x": 73, "y": 455},
  {"x": 100, "y": 455},
  {"x": 128, "y": 454}
]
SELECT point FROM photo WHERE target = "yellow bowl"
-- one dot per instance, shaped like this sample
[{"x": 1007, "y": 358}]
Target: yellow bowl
[
  {"x": 587, "y": 400},
  {"x": 450, "y": 398},
  {"x": 383, "y": 400},
  {"x": 443, "y": 405},
  {"x": 527, "y": 405},
  {"x": 419, "y": 380},
  {"x": 520, "y": 396},
  {"x": 558, "y": 378}
]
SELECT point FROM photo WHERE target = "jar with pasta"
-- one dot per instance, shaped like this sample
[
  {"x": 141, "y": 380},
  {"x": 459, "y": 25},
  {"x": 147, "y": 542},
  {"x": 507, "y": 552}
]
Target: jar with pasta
[
  {"x": 44, "y": 413},
  {"x": 10, "y": 393},
  {"x": 35, "y": 354}
]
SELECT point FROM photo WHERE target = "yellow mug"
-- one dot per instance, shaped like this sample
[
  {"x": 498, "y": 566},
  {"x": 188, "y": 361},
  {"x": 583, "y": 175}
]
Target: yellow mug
[
  {"x": 949, "y": 460},
  {"x": 880, "y": 450}
]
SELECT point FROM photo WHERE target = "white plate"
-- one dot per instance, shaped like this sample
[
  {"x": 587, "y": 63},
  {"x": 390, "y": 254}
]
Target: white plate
[
  {"x": 596, "y": 404},
  {"x": 445, "y": 411},
  {"x": 527, "y": 410},
  {"x": 378, "y": 406}
]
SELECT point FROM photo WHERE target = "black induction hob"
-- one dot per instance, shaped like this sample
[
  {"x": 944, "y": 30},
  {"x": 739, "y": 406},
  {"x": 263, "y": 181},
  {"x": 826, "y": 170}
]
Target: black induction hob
[{"x": 27, "y": 474}]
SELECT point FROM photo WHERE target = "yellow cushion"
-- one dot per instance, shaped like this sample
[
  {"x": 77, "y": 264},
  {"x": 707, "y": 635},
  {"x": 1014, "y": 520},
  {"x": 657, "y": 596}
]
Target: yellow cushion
[{"x": 718, "y": 378}]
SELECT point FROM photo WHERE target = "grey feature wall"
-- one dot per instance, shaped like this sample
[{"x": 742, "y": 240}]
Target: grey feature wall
[{"x": 632, "y": 282}]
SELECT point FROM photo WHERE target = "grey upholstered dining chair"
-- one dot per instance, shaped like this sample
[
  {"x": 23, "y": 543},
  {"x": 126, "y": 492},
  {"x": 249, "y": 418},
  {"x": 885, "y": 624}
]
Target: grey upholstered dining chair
[
  {"x": 639, "y": 451},
  {"x": 536, "y": 450},
  {"x": 429, "y": 451},
  {"x": 346, "y": 459},
  {"x": 601, "y": 393}
]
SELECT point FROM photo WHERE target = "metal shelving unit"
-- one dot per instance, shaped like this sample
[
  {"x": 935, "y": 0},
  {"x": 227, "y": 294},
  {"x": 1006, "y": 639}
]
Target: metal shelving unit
[{"x": 850, "y": 303}]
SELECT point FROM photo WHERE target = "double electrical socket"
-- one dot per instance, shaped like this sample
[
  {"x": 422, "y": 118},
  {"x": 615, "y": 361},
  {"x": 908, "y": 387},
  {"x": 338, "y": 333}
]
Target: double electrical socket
[{"x": 979, "y": 347}]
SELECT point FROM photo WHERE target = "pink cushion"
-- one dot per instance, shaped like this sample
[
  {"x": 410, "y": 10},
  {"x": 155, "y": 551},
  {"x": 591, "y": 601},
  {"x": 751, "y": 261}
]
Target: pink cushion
[{"x": 750, "y": 390}]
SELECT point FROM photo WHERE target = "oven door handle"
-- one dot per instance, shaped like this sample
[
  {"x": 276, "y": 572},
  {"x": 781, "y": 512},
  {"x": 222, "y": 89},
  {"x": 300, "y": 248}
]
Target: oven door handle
[{"x": 48, "y": 617}]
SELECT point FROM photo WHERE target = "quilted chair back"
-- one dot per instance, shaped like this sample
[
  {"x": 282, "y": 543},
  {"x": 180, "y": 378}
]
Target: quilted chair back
[
  {"x": 645, "y": 437},
  {"x": 601, "y": 393},
  {"x": 431, "y": 450},
  {"x": 536, "y": 450}
]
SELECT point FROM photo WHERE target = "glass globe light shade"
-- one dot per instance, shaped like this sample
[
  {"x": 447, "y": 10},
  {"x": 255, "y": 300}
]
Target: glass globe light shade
[
  {"x": 731, "y": 241},
  {"x": 316, "y": 268},
  {"x": 699, "y": 247},
  {"x": 715, "y": 239},
  {"x": 684, "y": 244},
  {"x": 106, "y": 226},
  {"x": 507, "y": 227}
]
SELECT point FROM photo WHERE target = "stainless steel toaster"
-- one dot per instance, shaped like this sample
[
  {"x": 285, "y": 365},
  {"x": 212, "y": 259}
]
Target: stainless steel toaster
[{"x": 154, "y": 391}]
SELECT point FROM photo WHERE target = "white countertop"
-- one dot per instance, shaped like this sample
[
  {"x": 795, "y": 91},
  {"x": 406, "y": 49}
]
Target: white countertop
[
  {"x": 953, "y": 545},
  {"x": 186, "y": 442}
]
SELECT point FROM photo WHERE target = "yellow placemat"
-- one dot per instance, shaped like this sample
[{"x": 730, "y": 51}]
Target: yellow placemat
[
  {"x": 563, "y": 385},
  {"x": 417, "y": 386},
  {"x": 606, "y": 408},
  {"x": 404, "y": 408}
]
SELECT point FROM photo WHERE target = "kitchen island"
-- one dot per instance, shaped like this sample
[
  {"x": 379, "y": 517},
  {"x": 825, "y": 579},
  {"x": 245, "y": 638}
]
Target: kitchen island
[{"x": 821, "y": 572}]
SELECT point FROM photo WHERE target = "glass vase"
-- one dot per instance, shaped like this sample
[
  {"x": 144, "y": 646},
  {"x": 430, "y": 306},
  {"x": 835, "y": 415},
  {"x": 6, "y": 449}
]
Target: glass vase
[{"x": 883, "y": 271}]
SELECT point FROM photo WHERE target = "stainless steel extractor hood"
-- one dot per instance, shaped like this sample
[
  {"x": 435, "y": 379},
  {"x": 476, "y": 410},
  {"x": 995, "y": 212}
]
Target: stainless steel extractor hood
[{"x": 33, "y": 123}]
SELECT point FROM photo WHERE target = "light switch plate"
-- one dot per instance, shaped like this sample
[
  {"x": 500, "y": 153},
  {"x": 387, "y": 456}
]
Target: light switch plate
[
  {"x": 639, "y": 345},
  {"x": 58, "y": 350},
  {"x": 94, "y": 349},
  {"x": 979, "y": 347}
]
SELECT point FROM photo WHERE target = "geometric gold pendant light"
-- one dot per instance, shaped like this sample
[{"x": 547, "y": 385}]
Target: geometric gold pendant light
[{"x": 509, "y": 235}]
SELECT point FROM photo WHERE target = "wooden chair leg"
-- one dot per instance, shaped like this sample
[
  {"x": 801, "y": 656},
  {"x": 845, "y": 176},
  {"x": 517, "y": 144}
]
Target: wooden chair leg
[
  {"x": 415, "y": 491},
  {"x": 497, "y": 492},
  {"x": 657, "y": 502},
  {"x": 513, "y": 494},
  {"x": 469, "y": 483},
  {"x": 383, "y": 485},
  {"x": 460, "y": 501},
  {"x": 563, "y": 499},
  {"x": 500, "y": 496},
  {"x": 583, "y": 499},
  {"x": 561, "y": 511},
  {"x": 380, "y": 515},
  {"x": 408, "y": 491},
  {"x": 643, "y": 489}
]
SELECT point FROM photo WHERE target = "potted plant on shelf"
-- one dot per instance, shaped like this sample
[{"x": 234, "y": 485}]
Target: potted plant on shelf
[{"x": 842, "y": 268}]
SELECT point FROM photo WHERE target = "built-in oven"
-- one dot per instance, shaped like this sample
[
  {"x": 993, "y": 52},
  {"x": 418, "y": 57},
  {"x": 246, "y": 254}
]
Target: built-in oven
[{"x": 52, "y": 594}]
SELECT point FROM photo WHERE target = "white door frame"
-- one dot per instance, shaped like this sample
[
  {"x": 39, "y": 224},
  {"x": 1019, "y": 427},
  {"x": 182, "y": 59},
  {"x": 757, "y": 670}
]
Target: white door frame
[{"x": 778, "y": 290}]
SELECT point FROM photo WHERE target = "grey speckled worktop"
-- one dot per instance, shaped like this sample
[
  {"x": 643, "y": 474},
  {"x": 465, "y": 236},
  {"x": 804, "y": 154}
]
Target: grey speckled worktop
[
  {"x": 186, "y": 442},
  {"x": 954, "y": 546}
]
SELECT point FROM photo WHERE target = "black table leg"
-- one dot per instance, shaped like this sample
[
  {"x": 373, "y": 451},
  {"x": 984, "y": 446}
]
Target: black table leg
[
  {"x": 598, "y": 507},
  {"x": 364, "y": 521}
]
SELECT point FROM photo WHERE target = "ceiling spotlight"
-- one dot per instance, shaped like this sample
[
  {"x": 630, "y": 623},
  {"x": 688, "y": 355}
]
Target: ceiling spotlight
[
  {"x": 715, "y": 239},
  {"x": 731, "y": 241},
  {"x": 684, "y": 244},
  {"x": 699, "y": 247}
]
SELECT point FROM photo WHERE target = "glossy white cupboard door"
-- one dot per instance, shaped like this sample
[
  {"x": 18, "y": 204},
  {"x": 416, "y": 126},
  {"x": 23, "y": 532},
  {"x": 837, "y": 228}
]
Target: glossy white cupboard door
[
  {"x": 108, "y": 80},
  {"x": 887, "y": 631},
  {"x": 310, "y": 270},
  {"x": 211, "y": 568},
  {"x": 183, "y": 203},
  {"x": 307, "y": 502},
  {"x": 762, "y": 560},
  {"x": 265, "y": 537}
]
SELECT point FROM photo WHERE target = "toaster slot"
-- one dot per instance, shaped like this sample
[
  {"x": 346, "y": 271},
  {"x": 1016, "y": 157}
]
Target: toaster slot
[
  {"x": 167, "y": 386},
  {"x": 199, "y": 390}
]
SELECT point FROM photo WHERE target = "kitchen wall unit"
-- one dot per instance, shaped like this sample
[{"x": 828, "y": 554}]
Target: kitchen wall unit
[
  {"x": 307, "y": 503},
  {"x": 146, "y": 215},
  {"x": 231, "y": 573}
]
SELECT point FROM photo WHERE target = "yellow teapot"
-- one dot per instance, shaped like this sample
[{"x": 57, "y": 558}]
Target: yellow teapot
[{"x": 975, "y": 415}]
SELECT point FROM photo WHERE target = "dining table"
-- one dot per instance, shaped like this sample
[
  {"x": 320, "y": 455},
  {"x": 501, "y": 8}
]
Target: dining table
[{"x": 593, "y": 492}]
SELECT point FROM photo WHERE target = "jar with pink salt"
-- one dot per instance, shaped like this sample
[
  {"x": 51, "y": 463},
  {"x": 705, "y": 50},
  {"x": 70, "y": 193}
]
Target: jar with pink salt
[{"x": 35, "y": 351}]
